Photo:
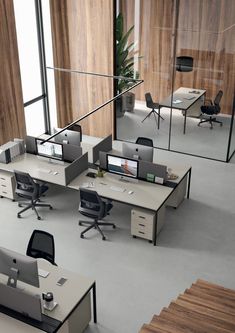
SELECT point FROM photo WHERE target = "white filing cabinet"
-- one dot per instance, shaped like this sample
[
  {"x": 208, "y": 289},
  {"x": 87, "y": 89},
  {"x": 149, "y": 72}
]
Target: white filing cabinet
[
  {"x": 7, "y": 184},
  {"x": 143, "y": 222}
]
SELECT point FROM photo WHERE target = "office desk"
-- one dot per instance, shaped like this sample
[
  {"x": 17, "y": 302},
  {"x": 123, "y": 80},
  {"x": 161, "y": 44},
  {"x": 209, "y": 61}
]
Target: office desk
[
  {"x": 38, "y": 168},
  {"x": 188, "y": 100},
  {"x": 74, "y": 306}
]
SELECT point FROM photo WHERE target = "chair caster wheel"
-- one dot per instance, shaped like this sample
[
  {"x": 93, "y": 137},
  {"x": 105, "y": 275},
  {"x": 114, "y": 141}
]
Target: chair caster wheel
[
  {"x": 39, "y": 218},
  {"x": 82, "y": 236},
  {"x": 103, "y": 238},
  {"x": 134, "y": 236},
  {"x": 19, "y": 216},
  {"x": 221, "y": 125},
  {"x": 50, "y": 207},
  {"x": 19, "y": 205},
  {"x": 114, "y": 226},
  {"x": 79, "y": 223}
]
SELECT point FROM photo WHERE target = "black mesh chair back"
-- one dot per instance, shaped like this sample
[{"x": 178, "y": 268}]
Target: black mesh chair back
[
  {"x": 218, "y": 99},
  {"x": 149, "y": 100},
  {"x": 25, "y": 185},
  {"x": 41, "y": 245},
  {"x": 144, "y": 141},
  {"x": 91, "y": 204}
]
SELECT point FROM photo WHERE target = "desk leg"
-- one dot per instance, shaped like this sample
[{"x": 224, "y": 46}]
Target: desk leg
[
  {"x": 94, "y": 303},
  {"x": 155, "y": 233},
  {"x": 185, "y": 113},
  {"x": 189, "y": 182}
]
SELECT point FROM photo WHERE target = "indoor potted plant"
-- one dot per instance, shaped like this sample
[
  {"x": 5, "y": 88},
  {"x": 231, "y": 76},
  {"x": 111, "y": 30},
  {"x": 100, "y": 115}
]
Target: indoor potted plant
[{"x": 124, "y": 67}]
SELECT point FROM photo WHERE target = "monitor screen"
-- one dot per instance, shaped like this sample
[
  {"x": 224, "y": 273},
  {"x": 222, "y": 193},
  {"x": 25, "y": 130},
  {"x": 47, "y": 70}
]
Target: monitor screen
[
  {"x": 67, "y": 136},
  {"x": 140, "y": 152},
  {"x": 50, "y": 149},
  {"x": 122, "y": 166},
  {"x": 18, "y": 267}
]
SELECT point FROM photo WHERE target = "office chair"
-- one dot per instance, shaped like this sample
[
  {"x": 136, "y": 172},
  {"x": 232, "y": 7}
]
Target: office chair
[
  {"x": 144, "y": 141},
  {"x": 212, "y": 109},
  {"x": 153, "y": 106},
  {"x": 76, "y": 128},
  {"x": 92, "y": 206},
  {"x": 42, "y": 245},
  {"x": 28, "y": 189}
]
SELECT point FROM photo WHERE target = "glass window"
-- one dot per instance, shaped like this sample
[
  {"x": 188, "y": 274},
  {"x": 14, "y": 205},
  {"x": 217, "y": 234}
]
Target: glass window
[
  {"x": 27, "y": 39},
  {"x": 34, "y": 118}
]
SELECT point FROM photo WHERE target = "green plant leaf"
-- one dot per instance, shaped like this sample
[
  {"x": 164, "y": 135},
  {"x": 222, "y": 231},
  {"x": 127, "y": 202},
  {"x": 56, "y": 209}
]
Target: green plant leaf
[{"x": 119, "y": 27}]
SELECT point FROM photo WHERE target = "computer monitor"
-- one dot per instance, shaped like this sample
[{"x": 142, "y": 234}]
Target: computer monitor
[
  {"x": 50, "y": 149},
  {"x": 136, "y": 151},
  {"x": 18, "y": 267},
  {"x": 122, "y": 166},
  {"x": 67, "y": 136}
]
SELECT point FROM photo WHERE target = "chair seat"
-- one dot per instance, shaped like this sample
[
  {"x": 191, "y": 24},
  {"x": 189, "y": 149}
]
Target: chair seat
[
  {"x": 209, "y": 109},
  {"x": 155, "y": 105}
]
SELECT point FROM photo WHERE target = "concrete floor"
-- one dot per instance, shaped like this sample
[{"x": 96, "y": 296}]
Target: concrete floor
[{"x": 134, "y": 278}]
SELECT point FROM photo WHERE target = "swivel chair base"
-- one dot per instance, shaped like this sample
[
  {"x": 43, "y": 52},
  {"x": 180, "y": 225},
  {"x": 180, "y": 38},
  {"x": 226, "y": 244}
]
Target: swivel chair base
[
  {"x": 33, "y": 205},
  {"x": 156, "y": 114},
  {"x": 211, "y": 120},
  {"x": 96, "y": 225}
]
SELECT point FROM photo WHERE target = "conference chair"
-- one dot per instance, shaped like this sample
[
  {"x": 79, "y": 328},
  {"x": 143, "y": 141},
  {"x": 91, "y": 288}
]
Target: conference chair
[
  {"x": 144, "y": 141},
  {"x": 28, "y": 189},
  {"x": 76, "y": 128},
  {"x": 211, "y": 110},
  {"x": 91, "y": 205},
  {"x": 153, "y": 106},
  {"x": 42, "y": 245}
]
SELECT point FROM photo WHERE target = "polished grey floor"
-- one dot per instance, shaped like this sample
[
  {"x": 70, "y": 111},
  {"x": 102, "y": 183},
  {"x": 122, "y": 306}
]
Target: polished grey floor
[
  {"x": 134, "y": 278},
  {"x": 199, "y": 141}
]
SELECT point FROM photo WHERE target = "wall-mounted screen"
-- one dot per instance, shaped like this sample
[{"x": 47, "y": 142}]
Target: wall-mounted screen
[{"x": 122, "y": 166}]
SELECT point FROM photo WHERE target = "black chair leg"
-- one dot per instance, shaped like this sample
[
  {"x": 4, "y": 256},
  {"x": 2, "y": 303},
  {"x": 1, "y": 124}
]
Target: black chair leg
[{"x": 93, "y": 225}]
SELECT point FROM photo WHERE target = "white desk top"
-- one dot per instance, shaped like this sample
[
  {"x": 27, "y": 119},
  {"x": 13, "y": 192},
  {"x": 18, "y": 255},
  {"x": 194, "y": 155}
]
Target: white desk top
[
  {"x": 67, "y": 296},
  {"x": 182, "y": 94},
  {"x": 146, "y": 195},
  {"x": 38, "y": 168}
]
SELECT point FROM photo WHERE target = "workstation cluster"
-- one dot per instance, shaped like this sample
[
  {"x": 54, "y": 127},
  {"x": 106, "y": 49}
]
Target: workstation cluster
[{"x": 127, "y": 173}]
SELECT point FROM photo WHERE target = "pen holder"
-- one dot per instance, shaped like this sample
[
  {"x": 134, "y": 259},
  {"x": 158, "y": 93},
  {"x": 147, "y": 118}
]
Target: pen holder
[{"x": 49, "y": 303}]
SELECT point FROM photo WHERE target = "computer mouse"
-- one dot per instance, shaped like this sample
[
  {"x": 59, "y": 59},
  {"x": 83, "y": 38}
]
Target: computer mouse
[
  {"x": 55, "y": 173},
  {"x": 130, "y": 192}
]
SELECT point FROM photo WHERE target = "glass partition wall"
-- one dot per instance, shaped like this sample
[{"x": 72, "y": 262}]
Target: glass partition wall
[{"x": 185, "y": 53}]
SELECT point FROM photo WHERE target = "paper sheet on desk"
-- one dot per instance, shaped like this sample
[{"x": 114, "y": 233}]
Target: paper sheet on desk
[
  {"x": 88, "y": 185},
  {"x": 177, "y": 101}
]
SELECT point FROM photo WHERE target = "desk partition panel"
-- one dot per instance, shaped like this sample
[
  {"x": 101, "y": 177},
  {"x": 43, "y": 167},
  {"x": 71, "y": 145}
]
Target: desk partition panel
[
  {"x": 105, "y": 145},
  {"x": 75, "y": 168}
]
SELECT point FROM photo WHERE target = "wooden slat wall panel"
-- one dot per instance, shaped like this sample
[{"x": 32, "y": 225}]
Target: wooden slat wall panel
[
  {"x": 205, "y": 32},
  {"x": 84, "y": 41},
  {"x": 12, "y": 121}
]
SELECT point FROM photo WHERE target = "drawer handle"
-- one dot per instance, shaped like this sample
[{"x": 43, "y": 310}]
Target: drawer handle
[
  {"x": 142, "y": 217},
  {"x": 142, "y": 225},
  {"x": 4, "y": 192},
  {"x": 2, "y": 178},
  {"x": 3, "y": 185},
  {"x": 141, "y": 232}
]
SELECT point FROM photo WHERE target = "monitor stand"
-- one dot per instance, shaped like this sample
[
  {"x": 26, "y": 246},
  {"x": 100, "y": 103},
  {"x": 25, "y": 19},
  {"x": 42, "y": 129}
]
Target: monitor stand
[{"x": 128, "y": 180}]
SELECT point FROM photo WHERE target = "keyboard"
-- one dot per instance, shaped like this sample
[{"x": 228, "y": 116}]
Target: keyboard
[{"x": 117, "y": 189}]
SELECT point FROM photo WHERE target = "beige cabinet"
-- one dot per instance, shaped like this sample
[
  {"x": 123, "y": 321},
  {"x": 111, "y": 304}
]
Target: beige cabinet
[
  {"x": 143, "y": 222},
  {"x": 7, "y": 184}
]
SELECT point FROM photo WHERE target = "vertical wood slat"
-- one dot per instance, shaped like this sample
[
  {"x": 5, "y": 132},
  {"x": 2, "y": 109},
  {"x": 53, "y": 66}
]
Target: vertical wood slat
[
  {"x": 83, "y": 40},
  {"x": 12, "y": 120}
]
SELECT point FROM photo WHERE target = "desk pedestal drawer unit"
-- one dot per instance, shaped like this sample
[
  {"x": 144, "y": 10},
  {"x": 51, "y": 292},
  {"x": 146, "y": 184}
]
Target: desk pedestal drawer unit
[
  {"x": 7, "y": 184},
  {"x": 145, "y": 223},
  {"x": 178, "y": 195}
]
